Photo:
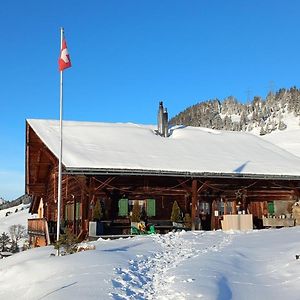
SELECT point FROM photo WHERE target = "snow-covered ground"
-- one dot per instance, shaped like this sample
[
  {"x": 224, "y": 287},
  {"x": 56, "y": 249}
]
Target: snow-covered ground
[
  {"x": 187, "y": 265},
  {"x": 18, "y": 215}
]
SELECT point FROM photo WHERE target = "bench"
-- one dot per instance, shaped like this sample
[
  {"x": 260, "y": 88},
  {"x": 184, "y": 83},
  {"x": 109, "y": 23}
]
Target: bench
[{"x": 164, "y": 226}]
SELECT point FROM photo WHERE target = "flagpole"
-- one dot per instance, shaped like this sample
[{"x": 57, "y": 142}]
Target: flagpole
[{"x": 60, "y": 144}]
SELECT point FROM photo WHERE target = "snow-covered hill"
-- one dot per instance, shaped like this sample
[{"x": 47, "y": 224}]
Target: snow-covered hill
[
  {"x": 188, "y": 265},
  {"x": 288, "y": 139},
  {"x": 15, "y": 215}
]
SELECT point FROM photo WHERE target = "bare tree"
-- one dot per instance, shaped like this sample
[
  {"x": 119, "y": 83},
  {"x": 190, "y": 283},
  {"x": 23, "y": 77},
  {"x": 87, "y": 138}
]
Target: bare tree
[{"x": 16, "y": 233}]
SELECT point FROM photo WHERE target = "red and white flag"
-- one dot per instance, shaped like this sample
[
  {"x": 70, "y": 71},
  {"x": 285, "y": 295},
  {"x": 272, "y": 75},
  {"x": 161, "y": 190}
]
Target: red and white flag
[{"x": 64, "y": 61}]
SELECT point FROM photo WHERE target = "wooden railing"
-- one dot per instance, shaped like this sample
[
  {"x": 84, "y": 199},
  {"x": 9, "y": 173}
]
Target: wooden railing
[{"x": 37, "y": 226}]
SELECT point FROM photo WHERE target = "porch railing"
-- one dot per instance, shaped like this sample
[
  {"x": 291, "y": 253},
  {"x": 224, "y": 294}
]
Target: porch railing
[{"x": 37, "y": 226}]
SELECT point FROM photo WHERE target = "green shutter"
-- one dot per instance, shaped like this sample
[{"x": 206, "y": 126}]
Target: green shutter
[
  {"x": 123, "y": 207},
  {"x": 271, "y": 209},
  {"x": 150, "y": 207}
]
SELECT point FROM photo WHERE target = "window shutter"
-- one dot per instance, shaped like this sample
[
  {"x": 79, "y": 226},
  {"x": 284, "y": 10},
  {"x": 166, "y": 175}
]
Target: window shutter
[
  {"x": 123, "y": 207},
  {"x": 150, "y": 207},
  {"x": 271, "y": 209}
]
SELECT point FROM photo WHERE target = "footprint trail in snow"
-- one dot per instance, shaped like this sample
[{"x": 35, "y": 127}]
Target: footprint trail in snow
[{"x": 149, "y": 277}]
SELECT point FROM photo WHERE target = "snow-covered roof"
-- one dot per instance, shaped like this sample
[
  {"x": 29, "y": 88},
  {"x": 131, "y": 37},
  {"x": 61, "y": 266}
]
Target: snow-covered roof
[{"x": 127, "y": 147}]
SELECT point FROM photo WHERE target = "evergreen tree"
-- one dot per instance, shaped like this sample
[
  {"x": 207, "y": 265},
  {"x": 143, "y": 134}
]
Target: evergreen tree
[
  {"x": 4, "y": 242},
  {"x": 67, "y": 242},
  {"x": 97, "y": 212},
  {"x": 282, "y": 125},
  {"x": 175, "y": 215},
  {"x": 135, "y": 217},
  {"x": 262, "y": 131},
  {"x": 187, "y": 221}
]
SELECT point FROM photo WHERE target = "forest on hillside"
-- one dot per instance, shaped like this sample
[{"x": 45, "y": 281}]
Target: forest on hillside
[{"x": 265, "y": 114}]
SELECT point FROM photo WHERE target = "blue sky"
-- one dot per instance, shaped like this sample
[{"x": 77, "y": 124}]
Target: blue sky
[{"x": 129, "y": 55}]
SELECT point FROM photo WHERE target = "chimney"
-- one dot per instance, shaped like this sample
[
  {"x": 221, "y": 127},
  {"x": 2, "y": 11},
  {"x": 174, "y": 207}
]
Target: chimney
[
  {"x": 165, "y": 123},
  {"x": 162, "y": 120}
]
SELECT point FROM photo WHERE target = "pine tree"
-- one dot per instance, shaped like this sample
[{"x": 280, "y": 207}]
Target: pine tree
[
  {"x": 135, "y": 217},
  {"x": 282, "y": 125},
  {"x": 67, "y": 241},
  {"x": 262, "y": 131},
  {"x": 187, "y": 221},
  {"x": 97, "y": 212},
  {"x": 175, "y": 215},
  {"x": 4, "y": 242}
]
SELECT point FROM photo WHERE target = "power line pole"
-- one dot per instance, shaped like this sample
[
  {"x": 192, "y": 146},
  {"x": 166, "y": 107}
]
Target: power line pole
[{"x": 248, "y": 93}]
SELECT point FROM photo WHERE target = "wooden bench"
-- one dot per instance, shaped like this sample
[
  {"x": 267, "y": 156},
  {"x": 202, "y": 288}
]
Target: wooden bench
[
  {"x": 120, "y": 226},
  {"x": 164, "y": 226},
  {"x": 277, "y": 222}
]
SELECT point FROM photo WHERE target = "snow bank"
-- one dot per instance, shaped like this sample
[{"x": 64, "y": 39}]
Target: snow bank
[{"x": 188, "y": 265}]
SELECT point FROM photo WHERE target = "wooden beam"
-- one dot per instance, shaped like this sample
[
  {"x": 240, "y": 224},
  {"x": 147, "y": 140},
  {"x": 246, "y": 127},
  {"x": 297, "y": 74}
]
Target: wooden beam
[
  {"x": 103, "y": 183},
  {"x": 37, "y": 167},
  {"x": 194, "y": 203},
  {"x": 49, "y": 155},
  {"x": 27, "y": 164},
  {"x": 185, "y": 185}
]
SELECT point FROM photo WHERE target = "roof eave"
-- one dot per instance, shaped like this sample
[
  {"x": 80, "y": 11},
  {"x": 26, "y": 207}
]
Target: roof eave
[{"x": 141, "y": 172}]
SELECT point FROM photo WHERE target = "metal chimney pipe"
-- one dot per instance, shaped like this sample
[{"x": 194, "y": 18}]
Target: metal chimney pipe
[
  {"x": 165, "y": 123},
  {"x": 160, "y": 118}
]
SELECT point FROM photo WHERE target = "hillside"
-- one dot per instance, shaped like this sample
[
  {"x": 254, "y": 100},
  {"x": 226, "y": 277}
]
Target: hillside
[
  {"x": 13, "y": 216},
  {"x": 261, "y": 116}
]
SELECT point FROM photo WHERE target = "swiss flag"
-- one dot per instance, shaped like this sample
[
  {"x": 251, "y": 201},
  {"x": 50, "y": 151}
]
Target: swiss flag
[{"x": 64, "y": 61}]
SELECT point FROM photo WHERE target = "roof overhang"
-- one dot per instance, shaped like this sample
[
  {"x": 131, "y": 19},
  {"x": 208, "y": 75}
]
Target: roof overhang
[{"x": 140, "y": 172}]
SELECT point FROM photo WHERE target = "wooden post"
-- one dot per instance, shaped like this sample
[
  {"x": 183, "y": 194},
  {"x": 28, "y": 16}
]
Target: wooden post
[
  {"x": 194, "y": 203},
  {"x": 234, "y": 210},
  {"x": 213, "y": 217},
  {"x": 83, "y": 202}
]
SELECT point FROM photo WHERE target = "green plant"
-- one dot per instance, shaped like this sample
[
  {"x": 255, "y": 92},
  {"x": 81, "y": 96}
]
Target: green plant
[
  {"x": 97, "y": 212},
  {"x": 175, "y": 215},
  {"x": 68, "y": 242},
  {"x": 135, "y": 217},
  {"x": 4, "y": 242},
  {"x": 187, "y": 221}
]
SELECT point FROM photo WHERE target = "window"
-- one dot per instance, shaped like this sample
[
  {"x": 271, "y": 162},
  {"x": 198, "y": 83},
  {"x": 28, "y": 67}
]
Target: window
[
  {"x": 229, "y": 207},
  {"x": 126, "y": 206},
  {"x": 204, "y": 208},
  {"x": 69, "y": 212},
  {"x": 78, "y": 211},
  {"x": 142, "y": 203}
]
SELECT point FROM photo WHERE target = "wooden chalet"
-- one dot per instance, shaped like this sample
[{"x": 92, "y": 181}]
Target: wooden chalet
[{"x": 209, "y": 173}]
